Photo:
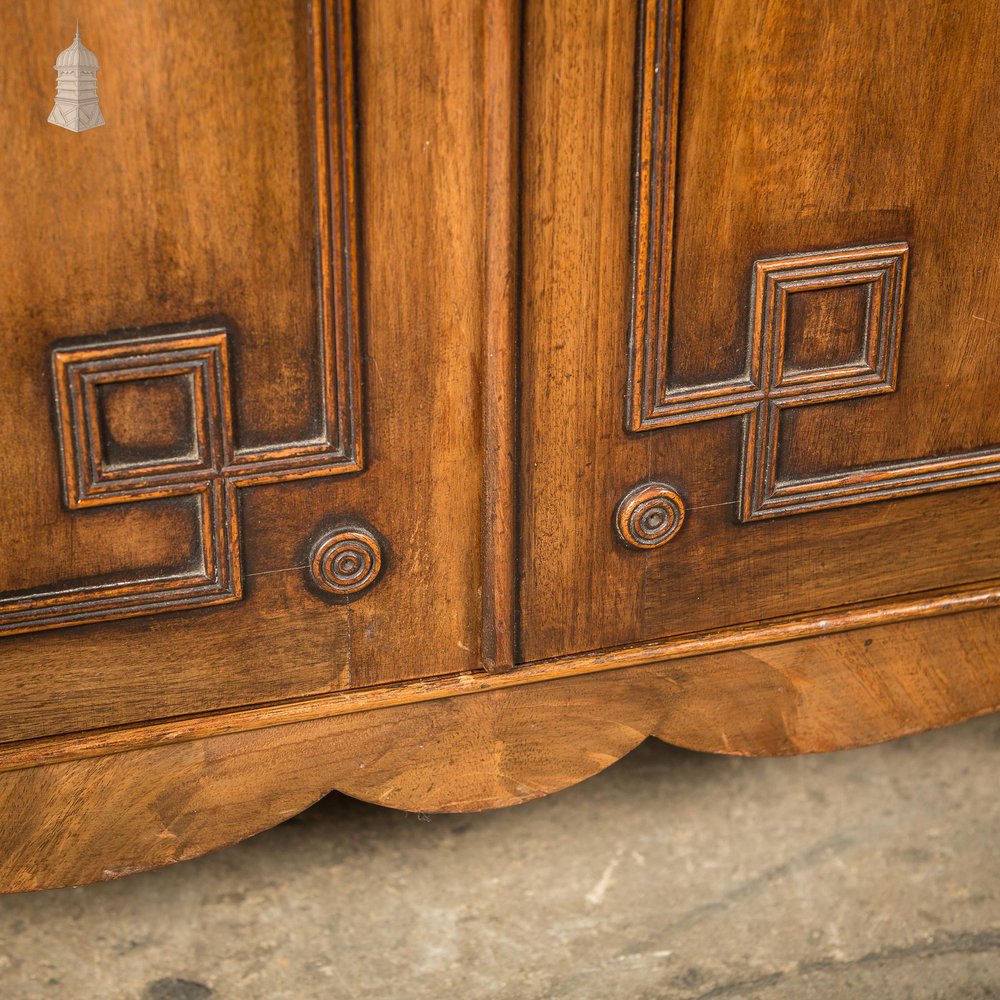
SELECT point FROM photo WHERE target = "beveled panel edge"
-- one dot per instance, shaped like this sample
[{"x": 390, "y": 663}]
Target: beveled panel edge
[
  {"x": 123, "y": 739},
  {"x": 658, "y": 54}
]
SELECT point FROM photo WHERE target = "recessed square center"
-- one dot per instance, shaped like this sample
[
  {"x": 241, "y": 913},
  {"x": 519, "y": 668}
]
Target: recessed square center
[
  {"x": 827, "y": 327},
  {"x": 146, "y": 421}
]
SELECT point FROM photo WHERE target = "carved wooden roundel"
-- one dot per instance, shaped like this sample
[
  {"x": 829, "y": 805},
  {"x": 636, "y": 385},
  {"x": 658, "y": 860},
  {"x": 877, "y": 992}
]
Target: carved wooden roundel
[
  {"x": 649, "y": 516},
  {"x": 346, "y": 561}
]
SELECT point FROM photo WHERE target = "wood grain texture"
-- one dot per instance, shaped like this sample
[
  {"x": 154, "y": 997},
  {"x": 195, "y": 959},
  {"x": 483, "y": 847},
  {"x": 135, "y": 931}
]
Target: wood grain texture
[
  {"x": 104, "y": 817},
  {"x": 124, "y": 739}
]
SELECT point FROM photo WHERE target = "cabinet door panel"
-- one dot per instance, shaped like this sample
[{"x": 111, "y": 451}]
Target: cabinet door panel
[
  {"x": 195, "y": 295},
  {"x": 808, "y": 263}
]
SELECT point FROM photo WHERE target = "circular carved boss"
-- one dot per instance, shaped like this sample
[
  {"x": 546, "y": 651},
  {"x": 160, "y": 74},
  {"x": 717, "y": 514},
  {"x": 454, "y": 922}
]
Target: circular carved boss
[
  {"x": 649, "y": 516},
  {"x": 345, "y": 561}
]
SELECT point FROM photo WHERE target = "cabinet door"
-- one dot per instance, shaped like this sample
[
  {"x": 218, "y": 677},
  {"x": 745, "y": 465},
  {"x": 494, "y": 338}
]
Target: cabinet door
[
  {"x": 239, "y": 341},
  {"x": 761, "y": 318}
]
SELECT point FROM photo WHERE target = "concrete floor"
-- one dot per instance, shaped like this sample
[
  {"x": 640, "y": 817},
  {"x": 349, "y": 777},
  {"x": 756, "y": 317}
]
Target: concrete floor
[{"x": 871, "y": 874}]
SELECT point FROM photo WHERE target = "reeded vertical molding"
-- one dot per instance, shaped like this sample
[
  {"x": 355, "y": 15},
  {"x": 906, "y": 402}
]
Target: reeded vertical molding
[{"x": 501, "y": 165}]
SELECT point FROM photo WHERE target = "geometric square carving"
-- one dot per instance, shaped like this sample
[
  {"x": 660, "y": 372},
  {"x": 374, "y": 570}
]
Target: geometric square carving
[
  {"x": 824, "y": 327},
  {"x": 874, "y": 275},
  {"x": 870, "y": 282},
  {"x": 194, "y": 363},
  {"x": 870, "y": 277},
  {"x": 882, "y": 269},
  {"x": 87, "y": 373},
  {"x": 148, "y": 414}
]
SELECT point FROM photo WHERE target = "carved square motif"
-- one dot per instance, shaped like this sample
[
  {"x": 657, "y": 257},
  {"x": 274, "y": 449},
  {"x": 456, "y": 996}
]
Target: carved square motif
[
  {"x": 830, "y": 326},
  {"x": 830, "y": 321},
  {"x": 137, "y": 418}
]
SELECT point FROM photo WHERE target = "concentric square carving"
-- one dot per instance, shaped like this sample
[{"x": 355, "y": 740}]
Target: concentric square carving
[
  {"x": 879, "y": 273},
  {"x": 148, "y": 414},
  {"x": 194, "y": 360},
  {"x": 825, "y": 326}
]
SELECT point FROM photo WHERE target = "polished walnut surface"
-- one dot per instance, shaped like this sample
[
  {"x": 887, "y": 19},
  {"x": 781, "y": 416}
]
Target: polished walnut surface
[{"x": 433, "y": 400}]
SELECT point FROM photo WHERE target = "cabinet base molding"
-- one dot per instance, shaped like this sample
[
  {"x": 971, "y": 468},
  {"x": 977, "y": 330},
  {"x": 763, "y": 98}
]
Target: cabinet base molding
[{"x": 98, "y": 806}]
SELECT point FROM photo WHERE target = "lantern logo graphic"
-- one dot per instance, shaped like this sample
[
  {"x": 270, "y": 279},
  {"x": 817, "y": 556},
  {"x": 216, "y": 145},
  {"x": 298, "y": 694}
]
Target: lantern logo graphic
[{"x": 76, "y": 106}]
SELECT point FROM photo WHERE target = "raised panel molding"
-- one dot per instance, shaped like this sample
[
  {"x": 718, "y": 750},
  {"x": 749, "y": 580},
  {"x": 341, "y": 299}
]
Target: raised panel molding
[
  {"x": 202, "y": 460},
  {"x": 881, "y": 272},
  {"x": 773, "y": 381},
  {"x": 651, "y": 401}
]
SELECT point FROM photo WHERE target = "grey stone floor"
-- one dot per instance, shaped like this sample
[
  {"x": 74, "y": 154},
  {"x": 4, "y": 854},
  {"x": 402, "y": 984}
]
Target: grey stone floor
[{"x": 873, "y": 873}]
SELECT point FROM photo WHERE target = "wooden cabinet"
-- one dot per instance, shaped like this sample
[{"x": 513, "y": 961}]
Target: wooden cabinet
[{"x": 432, "y": 400}]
